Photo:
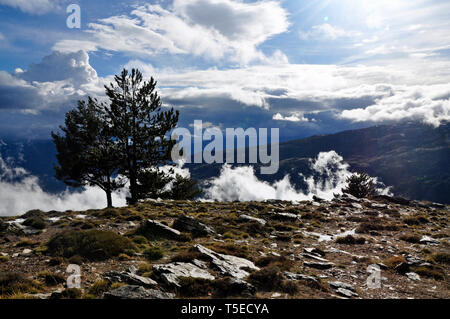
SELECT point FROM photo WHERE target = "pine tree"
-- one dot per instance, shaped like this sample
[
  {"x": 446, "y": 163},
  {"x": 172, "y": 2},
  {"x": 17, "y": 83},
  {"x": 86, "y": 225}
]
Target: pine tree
[
  {"x": 184, "y": 188},
  {"x": 86, "y": 152},
  {"x": 140, "y": 126},
  {"x": 360, "y": 185}
]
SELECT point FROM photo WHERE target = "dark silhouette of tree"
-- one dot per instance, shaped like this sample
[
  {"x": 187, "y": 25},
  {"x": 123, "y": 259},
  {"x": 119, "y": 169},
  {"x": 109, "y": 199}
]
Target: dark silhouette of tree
[
  {"x": 86, "y": 152},
  {"x": 360, "y": 185},
  {"x": 184, "y": 188},
  {"x": 140, "y": 126}
]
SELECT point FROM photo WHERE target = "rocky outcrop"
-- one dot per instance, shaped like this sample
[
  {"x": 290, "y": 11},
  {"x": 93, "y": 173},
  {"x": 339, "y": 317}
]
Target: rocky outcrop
[
  {"x": 159, "y": 229},
  {"x": 129, "y": 278},
  {"x": 188, "y": 224},
  {"x": 137, "y": 292},
  {"x": 344, "y": 289},
  {"x": 171, "y": 273},
  {"x": 226, "y": 264}
]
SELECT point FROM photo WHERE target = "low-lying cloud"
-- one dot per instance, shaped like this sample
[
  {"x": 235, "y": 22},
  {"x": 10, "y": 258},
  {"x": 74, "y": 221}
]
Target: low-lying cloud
[
  {"x": 240, "y": 183},
  {"x": 21, "y": 192}
]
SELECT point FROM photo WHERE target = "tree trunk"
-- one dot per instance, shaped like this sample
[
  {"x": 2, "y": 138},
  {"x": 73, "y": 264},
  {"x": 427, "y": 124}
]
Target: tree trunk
[{"x": 109, "y": 198}]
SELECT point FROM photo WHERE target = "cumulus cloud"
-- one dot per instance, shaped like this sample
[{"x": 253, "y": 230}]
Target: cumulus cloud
[
  {"x": 21, "y": 192},
  {"x": 292, "y": 118},
  {"x": 58, "y": 79},
  {"x": 32, "y": 6},
  {"x": 240, "y": 183},
  {"x": 214, "y": 29}
]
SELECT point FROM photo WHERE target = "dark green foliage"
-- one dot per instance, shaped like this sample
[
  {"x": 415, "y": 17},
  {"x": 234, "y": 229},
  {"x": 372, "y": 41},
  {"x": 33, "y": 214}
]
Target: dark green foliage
[
  {"x": 90, "y": 244},
  {"x": 271, "y": 279},
  {"x": 15, "y": 282},
  {"x": 184, "y": 188},
  {"x": 153, "y": 253},
  {"x": 360, "y": 185},
  {"x": 350, "y": 240},
  {"x": 35, "y": 222},
  {"x": 87, "y": 152},
  {"x": 51, "y": 279},
  {"x": 140, "y": 126}
]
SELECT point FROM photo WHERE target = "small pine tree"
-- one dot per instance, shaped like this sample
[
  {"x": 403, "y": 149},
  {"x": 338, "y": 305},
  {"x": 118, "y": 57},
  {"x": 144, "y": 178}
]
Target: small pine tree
[
  {"x": 86, "y": 152},
  {"x": 184, "y": 188},
  {"x": 360, "y": 185}
]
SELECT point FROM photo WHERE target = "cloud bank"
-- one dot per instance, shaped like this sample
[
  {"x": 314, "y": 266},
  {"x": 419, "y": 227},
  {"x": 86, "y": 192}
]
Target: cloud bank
[
  {"x": 20, "y": 192},
  {"x": 240, "y": 183}
]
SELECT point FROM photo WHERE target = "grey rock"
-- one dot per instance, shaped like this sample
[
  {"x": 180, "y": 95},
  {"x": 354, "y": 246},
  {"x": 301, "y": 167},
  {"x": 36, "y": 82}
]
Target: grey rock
[
  {"x": 129, "y": 278},
  {"x": 342, "y": 285},
  {"x": 314, "y": 251},
  {"x": 251, "y": 218},
  {"x": 315, "y": 257},
  {"x": 227, "y": 265},
  {"x": 285, "y": 216},
  {"x": 319, "y": 265},
  {"x": 241, "y": 287},
  {"x": 426, "y": 240},
  {"x": 137, "y": 292},
  {"x": 413, "y": 276},
  {"x": 188, "y": 224},
  {"x": 170, "y": 273},
  {"x": 346, "y": 293}
]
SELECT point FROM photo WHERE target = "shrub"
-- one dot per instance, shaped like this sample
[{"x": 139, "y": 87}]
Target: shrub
[
  {"x": 186, "y": 256},
  {"x": 35, "y": 222},
  {"x": 13, "y": 282},
  {"x": 360, "y": 185},
  {"x": 51, "y": 279},
  {"x": 280, "y": 262},
  {"x": 394, "y": 261},
  {"x": 56, "y": 261},
  {"x": 140, "y": 240},
  {"x": 4, "y": 259},
  {"x": 90, "y": 244},
  {"x": 69, "y": 293},
  {"x": 99, "y": 287},
  {"x": 416, "y": 220},
  {"x": 194, "y": 287},
  {"x": 153, "y": 253},
  {"x": 271, "y": 279},
  {"x": 441, "y": 258},
  {"x": 413, "y": 239},
  {"x": 350, "y": 240}
]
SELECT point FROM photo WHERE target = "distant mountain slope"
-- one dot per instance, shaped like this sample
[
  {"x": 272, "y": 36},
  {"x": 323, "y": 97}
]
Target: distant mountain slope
[{"x": 412, "y": 157}]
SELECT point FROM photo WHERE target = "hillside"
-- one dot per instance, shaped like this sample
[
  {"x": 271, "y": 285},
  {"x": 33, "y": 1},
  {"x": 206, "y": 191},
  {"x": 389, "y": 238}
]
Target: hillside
[
  {"x": 413, "y": 158},
  {"x": 273, "y": 249}
]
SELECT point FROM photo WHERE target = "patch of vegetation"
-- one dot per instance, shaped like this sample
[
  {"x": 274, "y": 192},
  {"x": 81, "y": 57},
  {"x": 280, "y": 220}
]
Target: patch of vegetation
[
  {"x": 394, "y": 261},
  {"x": 187, "y": 256},
  {"x": 69, "y": 293},
  {"x": 411, "y": 238},
  {"x": 441, "y": 258},
  {"x": 281, "y": 262},
  {"x": 99, "y": 287},
  {"x": 195, "y": 287},
  {"x": 416, "y": 220},
  {"x": 434, "y": 272},
  {"x": 14, "y": 282},
  {"x": 231, "y": 249},
  {"x": 35, "y": 222},
  {"x": 51, "y": 279},
  {"x": 4, "y": 259},
  {"x": 153, "y": 253},
  {"x": 350, "y": 240},
  {"x": 90, "y": 244},
  {"x": 271, "y": 279}
]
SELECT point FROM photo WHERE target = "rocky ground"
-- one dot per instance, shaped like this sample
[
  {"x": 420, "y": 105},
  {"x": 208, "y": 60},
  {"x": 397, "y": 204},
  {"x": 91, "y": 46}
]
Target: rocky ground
[{"x": 348, "y": 248}]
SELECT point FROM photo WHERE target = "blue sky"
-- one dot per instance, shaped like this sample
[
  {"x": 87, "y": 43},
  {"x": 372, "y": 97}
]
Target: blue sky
[{"x": 307, "y": 67}]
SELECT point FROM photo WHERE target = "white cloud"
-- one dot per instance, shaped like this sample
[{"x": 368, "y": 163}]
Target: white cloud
[
  {"x": 240, "y": 183},
  {"x": 214, "y": 29},
  {"x": 21, "y": 192},
  {"x": 32, "y": 6},
  {"x": 59, "y": 78},
  {"x": 296, "y": 117},
  {"x": 327, "y": 32}
]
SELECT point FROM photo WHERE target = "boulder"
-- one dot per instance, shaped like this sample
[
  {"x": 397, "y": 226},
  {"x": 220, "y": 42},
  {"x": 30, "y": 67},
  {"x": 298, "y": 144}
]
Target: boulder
[
  {"x": 227, "y": 265},
  {"x": 343, "y": 289},
  {"x": 129, "y": 278},
  {"x": 191, "y": 225},
  {"x": 284, "y": 216},
  {"x": 319, "y": 265},
  {"x": 170, "y": 273},
  {"x": 137, "y": 292},
  {"x": 261, "y": 221},
  {"x": 413, "y": 276},
  {"x": 426, "y": 240}
]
